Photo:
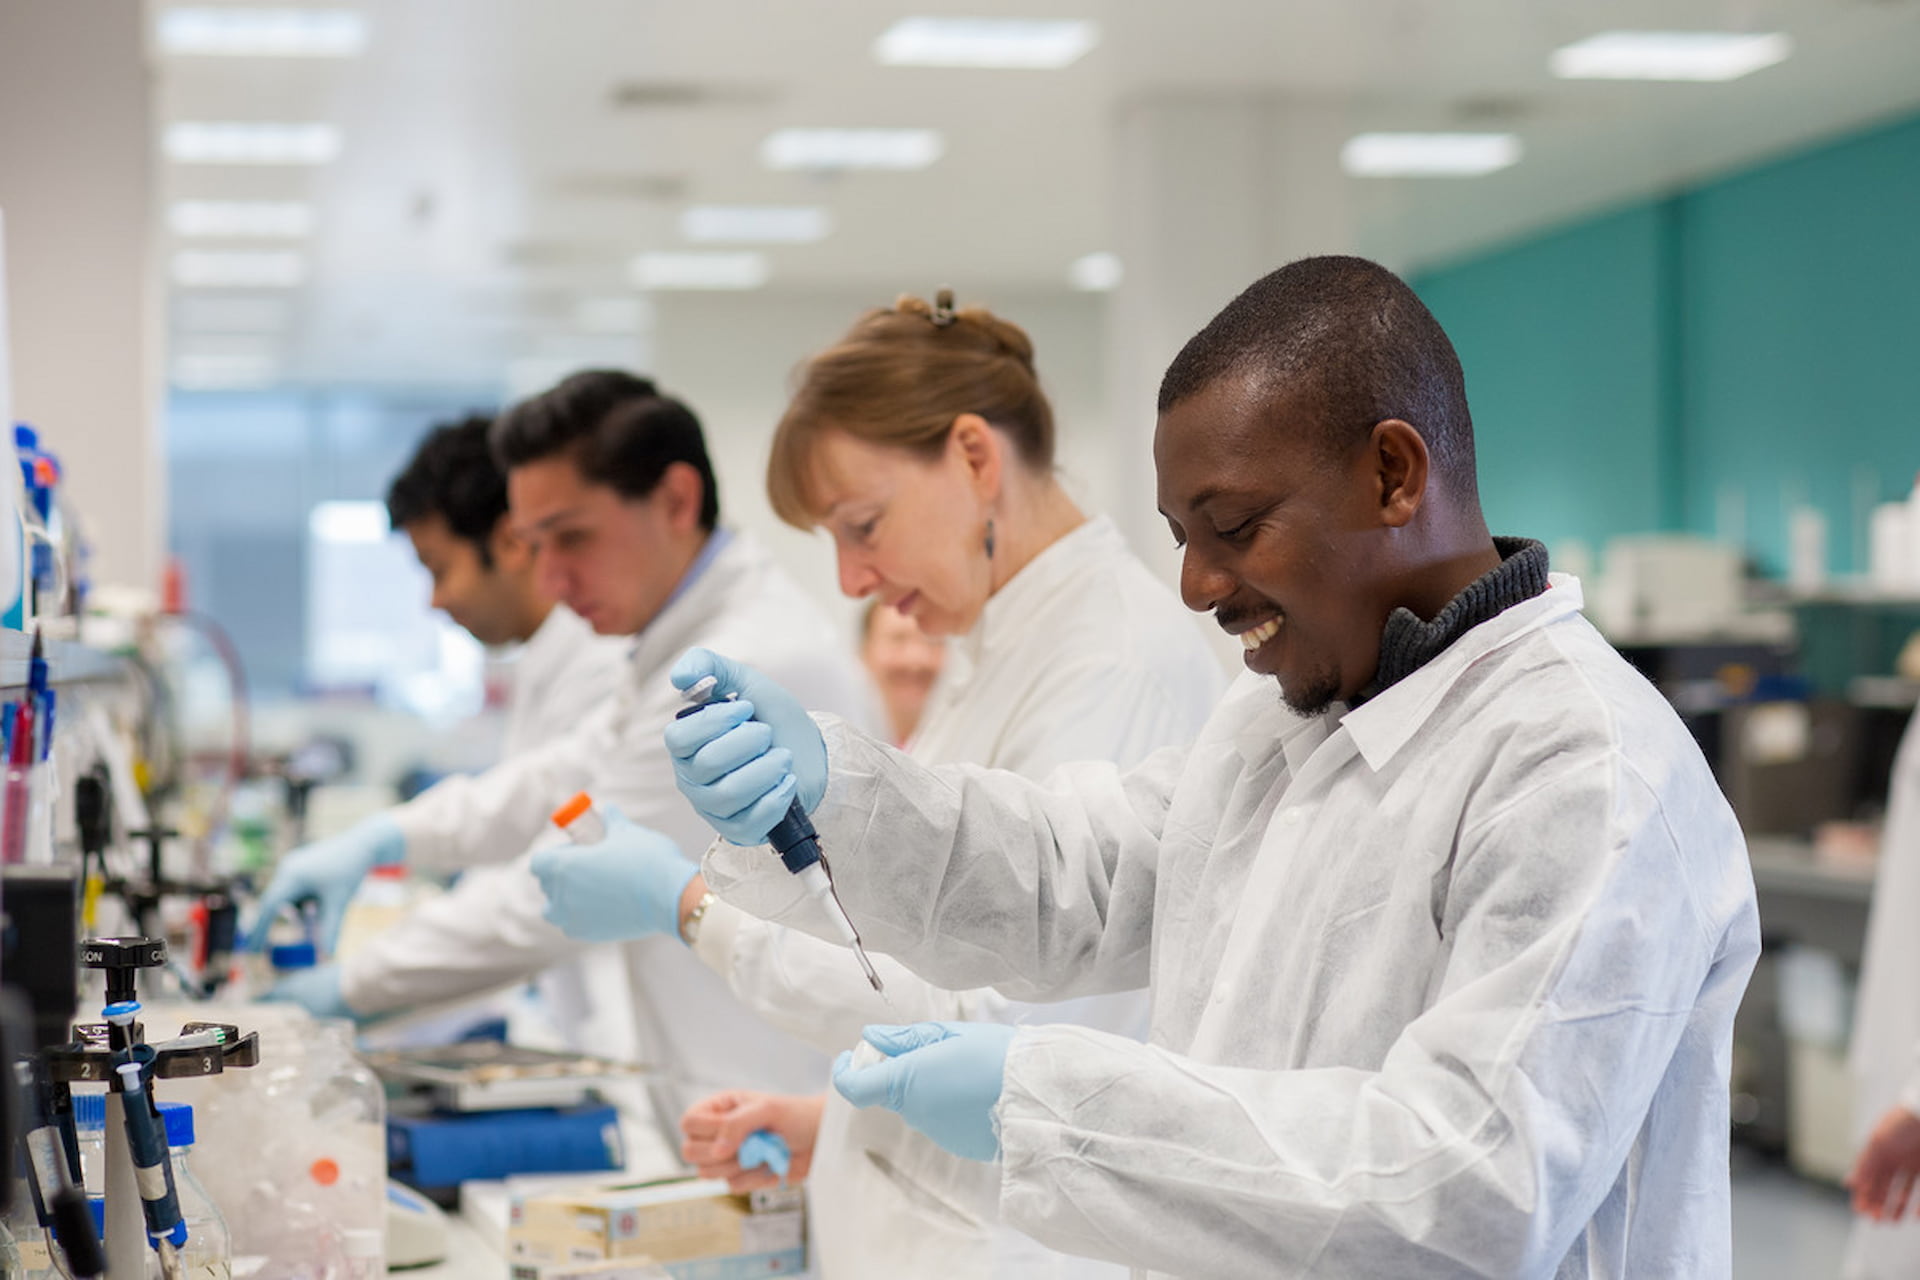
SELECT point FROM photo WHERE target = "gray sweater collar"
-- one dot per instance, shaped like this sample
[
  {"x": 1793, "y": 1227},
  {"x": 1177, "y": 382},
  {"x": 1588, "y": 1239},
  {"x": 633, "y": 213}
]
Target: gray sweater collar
[{"x": 1408, "y": 644}]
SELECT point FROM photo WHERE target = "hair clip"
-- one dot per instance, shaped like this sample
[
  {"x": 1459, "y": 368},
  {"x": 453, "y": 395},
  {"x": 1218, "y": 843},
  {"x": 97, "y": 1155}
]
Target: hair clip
[{"x": 943, "y": 309}]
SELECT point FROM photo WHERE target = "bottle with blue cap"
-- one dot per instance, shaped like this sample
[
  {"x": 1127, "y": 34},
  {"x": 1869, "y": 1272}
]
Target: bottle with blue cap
[
  {"x": 208, "y": 1254},
  {"x": 208, "y": 1251}
]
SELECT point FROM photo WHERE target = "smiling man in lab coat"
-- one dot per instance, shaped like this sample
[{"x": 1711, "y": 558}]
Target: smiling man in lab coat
[
  {"x": 1444, "y": 918},
  {"x": 611, "y": 488}
]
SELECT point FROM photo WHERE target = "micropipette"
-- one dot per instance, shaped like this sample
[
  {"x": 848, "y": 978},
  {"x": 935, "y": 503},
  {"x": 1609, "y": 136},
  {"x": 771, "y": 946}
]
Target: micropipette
[{"x": 798, "y": 845}]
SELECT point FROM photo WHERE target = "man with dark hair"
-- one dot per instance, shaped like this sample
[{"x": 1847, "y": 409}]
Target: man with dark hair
[
  {"x": 1445, "y": 940},
  {"x": 611, "y": 491},
  {"x": 451, "y": 502}
]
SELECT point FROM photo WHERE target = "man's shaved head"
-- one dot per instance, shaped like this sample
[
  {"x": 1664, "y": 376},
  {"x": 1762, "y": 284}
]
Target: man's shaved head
[{"x": 1347, "y": 339}]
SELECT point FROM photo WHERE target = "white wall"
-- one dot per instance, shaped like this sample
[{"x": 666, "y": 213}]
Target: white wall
[
  {"x": 732, "y": 358},
  {"x": 76, "y": 182}
]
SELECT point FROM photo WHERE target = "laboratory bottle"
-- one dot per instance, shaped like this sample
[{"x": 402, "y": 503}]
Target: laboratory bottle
[
  {"x": 9, "y": 1255},
  {"x": 347, "y": 1165},
  {"x": 208, "y": 1253},
  {"x": 29, "y": 1239}
]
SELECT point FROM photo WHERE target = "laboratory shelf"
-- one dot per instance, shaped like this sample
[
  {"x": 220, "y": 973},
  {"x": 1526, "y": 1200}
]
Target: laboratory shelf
[{"x": 67, "y": 662}]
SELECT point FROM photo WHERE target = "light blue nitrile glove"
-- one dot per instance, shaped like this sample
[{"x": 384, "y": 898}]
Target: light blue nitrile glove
[
  {"x": 741, "y": 763},
  {"x": 763, "y": 1148},
  {"x": 627, "y": 885},
  {"x": 943, "y": 1078},
  {"x": 327, "y": 872},
  {"x": 317, "y": 990}
]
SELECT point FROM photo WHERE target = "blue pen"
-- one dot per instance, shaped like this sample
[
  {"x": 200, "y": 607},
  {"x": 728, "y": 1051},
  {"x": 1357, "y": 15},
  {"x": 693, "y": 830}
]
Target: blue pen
[
  {"x": 48, "y": 701},
  {"x": 7, "y": 712}
]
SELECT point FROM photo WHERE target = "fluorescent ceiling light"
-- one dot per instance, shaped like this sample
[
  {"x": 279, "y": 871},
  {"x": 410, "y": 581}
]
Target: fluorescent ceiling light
[
  {"x": 852, "y": 148},
  {"x": 755, "y": 224},
  {"x": 1096, "y": 272},
  {"x": 216, "y": 371},
  {"x": 700, "y": 271},
  {"x": 253, "y": 219},
  {"x": 1428, "y": 155},
  {"x": 613, "y": 315},
  {"x": 263, "y": 33},
  {"x": 237, "y": 142},
  {"x": 240, "y": 314},
  {"x": 348, "y": 521},
  {"x": 252, "y": 269},
  {"x": 1668, "y": 55},
  {"x": 1013, "y": 43}
]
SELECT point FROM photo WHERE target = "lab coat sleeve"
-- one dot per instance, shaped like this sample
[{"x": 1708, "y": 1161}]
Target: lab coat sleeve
[
  {"x": 1491, "y": 1132},
  {"x": 484, "y": 933},
  {"x": 466, "y": 821},
  {"x": 814, "y": 990},
  {"x": 973, "y": 877}
]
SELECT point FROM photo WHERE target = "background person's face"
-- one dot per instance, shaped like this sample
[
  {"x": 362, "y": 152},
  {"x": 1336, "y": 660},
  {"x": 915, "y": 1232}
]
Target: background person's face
[
  {"x": 903, "y": 661},
  {"x": 476, "y": 596},
  {"x": 1279, "y": 538},
  {"x": 906, "y": 529},
  {"x": 604, "y": 556}
]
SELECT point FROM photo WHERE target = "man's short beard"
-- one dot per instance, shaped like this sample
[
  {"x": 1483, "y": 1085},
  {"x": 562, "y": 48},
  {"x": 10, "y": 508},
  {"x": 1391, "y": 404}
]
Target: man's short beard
[{"x": 1314, "y": 700}]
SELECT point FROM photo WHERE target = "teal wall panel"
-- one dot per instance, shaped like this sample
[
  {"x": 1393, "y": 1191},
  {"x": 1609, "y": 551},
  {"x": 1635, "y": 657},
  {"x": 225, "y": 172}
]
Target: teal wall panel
[
  {"x": 1560, "y": 342},
  {"x": 1801, "y": 319},
  {"x": 1703, "y": 361}
]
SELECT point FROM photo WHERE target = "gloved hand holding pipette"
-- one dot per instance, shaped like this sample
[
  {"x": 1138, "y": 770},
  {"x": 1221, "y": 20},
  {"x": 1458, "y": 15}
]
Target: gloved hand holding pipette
[{"x": 754, "y": 766}]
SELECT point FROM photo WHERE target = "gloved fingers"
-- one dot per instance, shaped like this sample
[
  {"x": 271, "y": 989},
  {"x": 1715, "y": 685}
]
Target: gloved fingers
[
  {"x": 729, "y": 799},
  {"x": 696, "y": 664},
  {"x": 724, "y": 754},
  {"x": 880, "y": 1085},
  {"x": 279, "y": 895},
  {"x": 896, "y": 1040},
  {"x": 751, "y": 825},
  {"x": 686, "y": 734},
  {"x": 333, "y": 914}
]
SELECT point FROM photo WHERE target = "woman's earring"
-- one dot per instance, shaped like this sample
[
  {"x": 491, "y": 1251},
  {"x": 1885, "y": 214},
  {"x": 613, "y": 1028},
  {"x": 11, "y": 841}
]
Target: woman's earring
[{"x": 989, "y": 537}]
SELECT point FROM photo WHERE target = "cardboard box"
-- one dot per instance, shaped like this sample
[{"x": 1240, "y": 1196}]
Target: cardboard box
[
  {"x": 696, "y": 1229},
  {"x": 614, "y": 1269}
]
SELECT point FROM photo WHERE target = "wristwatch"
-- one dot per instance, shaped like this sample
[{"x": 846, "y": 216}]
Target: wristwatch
[{"x": 690, "y": 927}]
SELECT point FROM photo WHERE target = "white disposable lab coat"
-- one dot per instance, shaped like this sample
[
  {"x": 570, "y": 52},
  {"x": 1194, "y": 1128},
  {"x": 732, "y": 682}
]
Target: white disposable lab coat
[
  {"x": 1082, "y": 655},
  {"x": 682, "y": 1018},
  {"x": 1442, "y": 986},
  {"x": 559, "y": 678},
  {"x": 1886, "y": 1027}
]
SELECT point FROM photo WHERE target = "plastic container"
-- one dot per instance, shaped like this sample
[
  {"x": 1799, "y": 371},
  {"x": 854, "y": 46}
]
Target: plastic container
[
  {"x": 580, "y": 820},
  {"x": 90, "y": 1126},
  {"x": 346, "y": 1155},
  {"x": 208, "y": 1254},
  {"x": 36, "y": 1258}
]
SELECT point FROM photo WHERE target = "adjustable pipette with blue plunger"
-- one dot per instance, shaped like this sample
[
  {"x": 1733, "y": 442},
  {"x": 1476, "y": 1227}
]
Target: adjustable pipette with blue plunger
[{"x": 798, "y": 845}]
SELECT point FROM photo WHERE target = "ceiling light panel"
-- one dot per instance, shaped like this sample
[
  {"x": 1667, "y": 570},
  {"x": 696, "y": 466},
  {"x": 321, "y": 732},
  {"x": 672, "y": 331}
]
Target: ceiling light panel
[
  {"x": 241, "y": 219},
  {"x": 1669, "y": 55},
  {"x": 219, "y": 371},
  {"x": 248, "y": 142},
  {"x": 672, "y": 271},
  {"x": 248, "y": 32},
  {"x": 852, "y": 149},
  {"x": 220, "y": 314},
  {"x": 1020, "y": 44},
  {"x": 248, "y": 269},
  {"x": 1095, "y": 272},
  {"x": 1428, "y": 155},
  {"x": 755, "y": 224}
]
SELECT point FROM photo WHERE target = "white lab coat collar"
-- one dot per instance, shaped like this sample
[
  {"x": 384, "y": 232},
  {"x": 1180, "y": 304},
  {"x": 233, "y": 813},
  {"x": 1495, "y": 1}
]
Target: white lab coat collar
[
  {"x": 1384, "y": 724},
  {"x": 695, "y": 603},
  {"x": 1002, "y": 620}
]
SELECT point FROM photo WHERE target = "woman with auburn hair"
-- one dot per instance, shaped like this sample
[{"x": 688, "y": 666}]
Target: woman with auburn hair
[{"x": 923, "y": 444}]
